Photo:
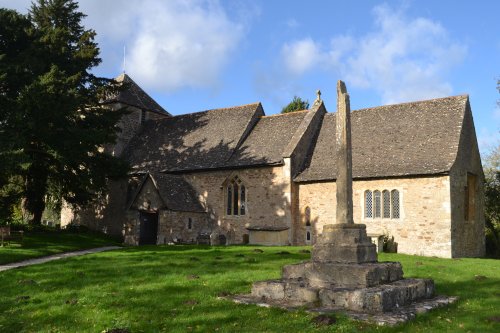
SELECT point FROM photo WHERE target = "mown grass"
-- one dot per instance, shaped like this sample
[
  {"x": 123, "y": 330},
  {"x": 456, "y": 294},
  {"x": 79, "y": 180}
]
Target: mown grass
[
  {"x": 175, "y": 289},
  {"x": 43, "y": 243}
]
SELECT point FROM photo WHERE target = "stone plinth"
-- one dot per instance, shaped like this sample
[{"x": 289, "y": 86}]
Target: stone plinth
[
  {"x": 344, "y": 243},
  {"x": 333, "y": 275}
]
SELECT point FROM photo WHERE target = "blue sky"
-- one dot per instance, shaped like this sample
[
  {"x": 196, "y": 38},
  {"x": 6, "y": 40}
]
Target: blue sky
[{"x": 197, "y": 55}]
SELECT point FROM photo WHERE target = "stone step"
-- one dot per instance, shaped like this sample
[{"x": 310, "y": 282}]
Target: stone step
[
  {"x": 378, "y": 299},
  {"x": 338, "y": 275},
  {"x": 292, "y": 291}
]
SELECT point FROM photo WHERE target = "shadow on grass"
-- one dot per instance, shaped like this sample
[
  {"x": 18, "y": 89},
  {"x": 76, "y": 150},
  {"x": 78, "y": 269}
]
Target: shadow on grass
[{"x": 155, "y": 289}]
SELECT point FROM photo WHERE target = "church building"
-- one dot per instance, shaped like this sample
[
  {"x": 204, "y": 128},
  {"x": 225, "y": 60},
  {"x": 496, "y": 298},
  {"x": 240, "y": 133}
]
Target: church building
[{"x": 236, "y": 176}]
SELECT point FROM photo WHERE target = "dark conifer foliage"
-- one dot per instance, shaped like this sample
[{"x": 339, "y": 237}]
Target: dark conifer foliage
[{"x": 53, "y": 129}]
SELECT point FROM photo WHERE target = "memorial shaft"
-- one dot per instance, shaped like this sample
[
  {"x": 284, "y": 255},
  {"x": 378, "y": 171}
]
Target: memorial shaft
[{"x": 344, "y": 156}]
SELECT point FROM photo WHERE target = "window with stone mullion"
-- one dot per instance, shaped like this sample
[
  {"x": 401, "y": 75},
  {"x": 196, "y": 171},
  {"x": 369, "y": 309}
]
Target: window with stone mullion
[
  {"x": 368, "y": 204},
  {"x": 235, "y": 199},
  {"x": 229, "y": 209},
  {"x": 236, "y": 196},
  {"x": 386, "y": 199},
  {"x": 376, "y": 204}
]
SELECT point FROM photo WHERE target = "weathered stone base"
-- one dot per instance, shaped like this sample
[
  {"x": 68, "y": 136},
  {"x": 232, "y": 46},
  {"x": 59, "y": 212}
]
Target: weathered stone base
[
  {"x": 379, "y": 299},
  {"x": 397, "y": 316},
  {"x": 344, "y": 275},
  {"x": 332, "y": 275},
  {"x": 344, "y": 243}
]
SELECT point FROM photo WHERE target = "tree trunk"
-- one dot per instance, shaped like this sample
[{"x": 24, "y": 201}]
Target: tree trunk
[{"x": 33, "y": 203}]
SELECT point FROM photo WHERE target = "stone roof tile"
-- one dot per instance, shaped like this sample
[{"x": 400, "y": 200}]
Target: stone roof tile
[
  {"x": 194, "y": 141},
  {"x": 268, "y": 140},
  {"x": 134, "y": 95},
  {"x": 418, "y": 138},
  {"x": 177, "y": 193}
]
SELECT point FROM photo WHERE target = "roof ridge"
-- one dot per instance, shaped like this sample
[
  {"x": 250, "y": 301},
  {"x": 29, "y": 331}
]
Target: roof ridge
[
  {"x": 285, "y": 114},
  {"x": 229, "y": 107},
  {"x": 414, "y": 102},
  {"x": 218, "y": 109}
]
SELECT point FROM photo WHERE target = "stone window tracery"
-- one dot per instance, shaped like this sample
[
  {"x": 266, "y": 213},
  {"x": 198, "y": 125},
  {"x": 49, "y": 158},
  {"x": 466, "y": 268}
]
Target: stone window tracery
[
  {"x": 236, "y": 197},
  {"x": 368, "y": 204},
  {"x": 376, "y": 204},
  {"x": 386, "y": 197},
  {"x": 395, "y": 204},
  {"x": 382, "y": 204}
]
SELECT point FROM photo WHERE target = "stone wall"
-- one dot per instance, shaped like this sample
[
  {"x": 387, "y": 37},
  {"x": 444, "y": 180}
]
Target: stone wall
[
  {"x": 261, "y": 237},
  {"x": 425, "y": 212},
  {"x": 108, "y": 215},
  {"x": 267, "y": 204},
  {"x": 174, "y": 226},
  {"x": 467, "y": 229},
  {"x": 130, "y": 125},
  {"x": 148, "y": 198}
]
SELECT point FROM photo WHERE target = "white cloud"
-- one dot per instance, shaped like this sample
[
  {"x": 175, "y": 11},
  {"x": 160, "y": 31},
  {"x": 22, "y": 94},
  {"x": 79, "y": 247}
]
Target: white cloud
[
  {"x": 170, "y": 44},
  {"x": 403, "y": 58},
  {"x": 302, "y": 55}
]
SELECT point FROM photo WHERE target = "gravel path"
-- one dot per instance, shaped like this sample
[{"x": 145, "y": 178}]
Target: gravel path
[{"x": 41, "y": 260}]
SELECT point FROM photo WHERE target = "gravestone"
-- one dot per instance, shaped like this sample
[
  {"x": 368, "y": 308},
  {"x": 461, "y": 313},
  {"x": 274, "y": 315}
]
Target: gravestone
[{"x": 344, "y": 273}]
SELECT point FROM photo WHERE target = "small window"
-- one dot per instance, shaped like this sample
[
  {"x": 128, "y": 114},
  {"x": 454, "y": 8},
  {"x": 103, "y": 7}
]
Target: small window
[
  {"x": 143, "y": 116},
  {"x": 386, "y": 198},
  {"x": 368, "y": 204},
  {"x": 229, "y": 200},
  {"x": 308, "y": 236},
  {"x": 377, "y": 204},
  {"x": 190, "y": 223},
  {"x": 242, "y": 199},
  {"x": 395, "y": 204}
]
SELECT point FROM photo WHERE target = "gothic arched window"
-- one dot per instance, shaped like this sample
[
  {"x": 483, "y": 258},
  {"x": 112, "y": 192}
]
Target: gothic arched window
[{"x": 236, "y": 197}]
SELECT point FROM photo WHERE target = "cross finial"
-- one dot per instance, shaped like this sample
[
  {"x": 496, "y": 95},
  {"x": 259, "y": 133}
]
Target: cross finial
[{"x": 318, "y": 95}]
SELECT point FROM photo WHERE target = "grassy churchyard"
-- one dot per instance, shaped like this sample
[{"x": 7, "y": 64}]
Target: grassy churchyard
[
  {"x": 176, "y": 289},
  {"x": 44, "y": 243}
]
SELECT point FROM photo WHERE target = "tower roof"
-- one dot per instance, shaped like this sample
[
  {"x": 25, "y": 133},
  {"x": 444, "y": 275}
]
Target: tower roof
[{"x": 134, "y": 95}]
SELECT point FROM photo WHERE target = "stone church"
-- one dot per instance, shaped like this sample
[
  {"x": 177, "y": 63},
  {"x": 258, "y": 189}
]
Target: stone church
[{"x": 234, "y": 176}]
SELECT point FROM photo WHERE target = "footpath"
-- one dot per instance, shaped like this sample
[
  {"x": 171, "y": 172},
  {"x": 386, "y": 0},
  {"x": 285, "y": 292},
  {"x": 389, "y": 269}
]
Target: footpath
[{"x": 58, "y": 256}]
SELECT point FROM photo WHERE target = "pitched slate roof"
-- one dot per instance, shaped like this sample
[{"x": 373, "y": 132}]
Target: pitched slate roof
[
  {"x": 133, "y": 95},
  {"x": 202, "y": 140},
  {"x": 177, "y": 194},
  {"x": 418, "y": 138},
  {"x": 267, "y": 141}
]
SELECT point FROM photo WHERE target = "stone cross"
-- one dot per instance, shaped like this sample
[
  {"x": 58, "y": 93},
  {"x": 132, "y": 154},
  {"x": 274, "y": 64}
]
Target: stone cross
[{"x": 344, "y": 156}]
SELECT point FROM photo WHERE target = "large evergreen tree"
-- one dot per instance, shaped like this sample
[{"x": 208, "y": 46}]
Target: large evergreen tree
[{"x": 54, "y": 125}]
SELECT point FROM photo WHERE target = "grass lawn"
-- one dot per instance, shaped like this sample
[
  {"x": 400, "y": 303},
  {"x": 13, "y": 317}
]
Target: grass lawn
[
  {"x": 175, "y": 289},
  {"x": 39, "y": 244}
]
